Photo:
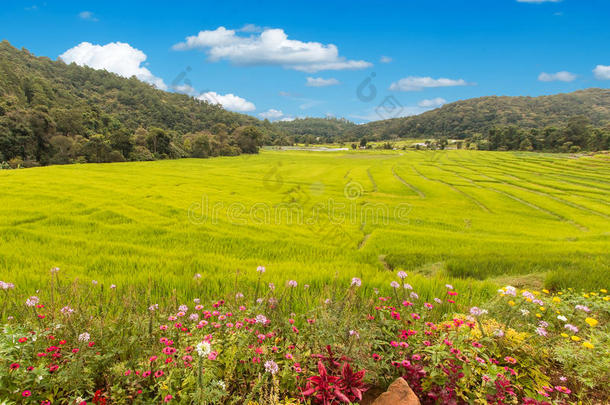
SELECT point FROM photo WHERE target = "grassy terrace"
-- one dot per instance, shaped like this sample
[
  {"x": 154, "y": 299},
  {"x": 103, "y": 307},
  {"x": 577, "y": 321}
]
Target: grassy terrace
[{"x": 523, "y": 218}]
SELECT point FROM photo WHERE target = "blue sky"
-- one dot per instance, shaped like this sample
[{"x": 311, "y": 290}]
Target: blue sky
[{"x": 284, "y": 60}]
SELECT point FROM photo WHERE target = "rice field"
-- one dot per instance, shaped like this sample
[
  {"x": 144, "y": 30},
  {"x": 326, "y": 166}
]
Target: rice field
[{"x": 472, "y": 218}]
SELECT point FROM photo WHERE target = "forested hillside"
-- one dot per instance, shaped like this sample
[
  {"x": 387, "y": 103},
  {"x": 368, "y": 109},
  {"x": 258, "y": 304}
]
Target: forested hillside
[
  {"x": 466, "y": 118},
  {"x": 315, "y": 130},
  {"x": 53, "y": 113}
]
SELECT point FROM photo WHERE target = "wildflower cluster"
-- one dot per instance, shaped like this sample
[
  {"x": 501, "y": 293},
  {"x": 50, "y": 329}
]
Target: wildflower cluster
[{"x": 522, "y": 347}]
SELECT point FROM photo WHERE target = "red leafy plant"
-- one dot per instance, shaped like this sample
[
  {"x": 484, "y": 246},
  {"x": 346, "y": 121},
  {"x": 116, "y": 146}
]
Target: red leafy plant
[{"x": 326, "y": 388}]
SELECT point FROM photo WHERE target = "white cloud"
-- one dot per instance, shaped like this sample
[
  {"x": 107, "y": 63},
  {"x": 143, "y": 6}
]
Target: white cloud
[
  {"x": 432, "y": 103},
  {"x": 115, "y": 57},
  {"x": 413, "y": 83},
  {"x": 270, "y": 47},
  {"x": 385, "y": 59},
  {"x": 228, "y": 101},
  {"x": 321, "y": 82},
  {"x": 251, "y": 28},
  {"x": 602, "y": 72},
  {"x": 272, "y": 114},
  {"x": 288, "y": 119},
  {"x": 184, "y": 89},
  {"x": 538, "y": 1},
  {"x": 87, "y": 15},
  {"x": 562, "y": 76}
]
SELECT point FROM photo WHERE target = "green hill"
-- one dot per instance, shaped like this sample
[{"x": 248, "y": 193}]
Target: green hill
[
  {"x": 51, "y": 112},
  {"x": 466, "y": 118},
  {"x": 315, "y": 130}
]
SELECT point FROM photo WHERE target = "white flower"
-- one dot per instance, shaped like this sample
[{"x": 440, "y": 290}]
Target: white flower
[
  {"x": 260, "y": 269},
  {"x": 194, "y": 317},
  {"x": 271, "y": 366},
  {"x": 261, "y": 319},
  {"x": 476, "y": 311},
  {"x": 113, "y": 286},
  {"x": 562, "y": 318},
  {"x": 221, "y": 384},
  {"x": 525, "y": 312},
  {"x": 84, "y": 337},
  {"x": 449, "y": 286},
  {"x": 292, "y": 283},
  {"x": 54, "y": 270},
  {"x": 66, "y": 310},
  {"x": 394, "y": 284},
  {"x": 414, "y": 295},
  {"x": 327, "y": 301},
  {"x": 407, "y": 287},
  {"x": 356, "y": 282},
  {"x": 196, "y": 300},
  {"x": 239, "y": 295},
  {"x": 508, "y": 290},
  {"x": 401, "y": 275},
  {"x": 499, "y": 332},
  {"x": 354, "y": 333},
  {"x": 203, "y": 349},
  {"x": 6, "y": 286},
  {"x": 183, "y": 308},
  {"x": 438, "y": 300},
  {"x": 271, "y": 286},
  {"x": 94, "y": 282},
  {"x": 32, "y": 301},
  {"x": 153, "y": 307},
  {"x": 197, "y": 276}
]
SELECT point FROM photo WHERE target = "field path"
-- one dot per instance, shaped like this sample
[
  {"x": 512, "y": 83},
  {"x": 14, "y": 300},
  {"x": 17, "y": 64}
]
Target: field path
[{"x": 412, "y": 187}]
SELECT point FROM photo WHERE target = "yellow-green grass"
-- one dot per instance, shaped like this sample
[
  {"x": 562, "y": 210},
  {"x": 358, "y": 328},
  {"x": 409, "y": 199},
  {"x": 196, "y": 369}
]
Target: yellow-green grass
[{"x": 467, "y": 217}]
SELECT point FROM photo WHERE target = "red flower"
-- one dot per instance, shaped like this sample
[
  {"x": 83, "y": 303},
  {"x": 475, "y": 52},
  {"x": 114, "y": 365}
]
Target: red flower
[
  {"x": 26, "y": 393},
  {"x": 14, "y": 366},
  {"x": 23, "y": 340}
]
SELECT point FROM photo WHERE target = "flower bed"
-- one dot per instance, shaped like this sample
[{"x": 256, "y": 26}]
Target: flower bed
[{"x": 86, "y": 344}]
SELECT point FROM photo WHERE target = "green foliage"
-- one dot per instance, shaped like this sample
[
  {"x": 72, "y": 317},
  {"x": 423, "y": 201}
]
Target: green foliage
[
  {"x": 466, "y": 118},
  {"x": 101, "y": 113}
]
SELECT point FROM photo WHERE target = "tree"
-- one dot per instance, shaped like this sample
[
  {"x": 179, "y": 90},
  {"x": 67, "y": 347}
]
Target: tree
[{"x": 248, "y": 139}]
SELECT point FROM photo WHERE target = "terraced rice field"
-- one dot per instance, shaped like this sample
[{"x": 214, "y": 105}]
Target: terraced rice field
[{"x": 314, "y": 217}]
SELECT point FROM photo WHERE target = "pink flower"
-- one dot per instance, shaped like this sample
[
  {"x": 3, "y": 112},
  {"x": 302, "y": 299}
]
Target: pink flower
[
  {"x": 213, "y": 355},
  {"x": 152, "y": 358},
  {"x": 26, "y": 393},
  {"x": 167, "y": 398},
  {"x": 159, "y": 373},
  {"x": 415, "y": 316}
]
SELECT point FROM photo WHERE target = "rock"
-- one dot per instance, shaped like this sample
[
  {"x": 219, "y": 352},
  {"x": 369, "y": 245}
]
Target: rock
[{"x": 398, "y": 393}]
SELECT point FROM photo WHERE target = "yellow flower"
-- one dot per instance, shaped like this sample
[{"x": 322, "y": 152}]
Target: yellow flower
[
  {"x": 542, "y": 308},
  {"x": 539, "y": 316},
  {"x": 607, "y": 298},
  {"x": 586, "y": 295},
  {"x": 592, "y": 322},
  {"x": 603, "y": 290},
  {"x": 593, "y": 294},
  {"x": 556, "y": 299},
  {"x": 545, "y": 291},
  {"x": 536, "y": 292},
  {"x": 575, "y": 338},
  {"x": 565, "y": 335},
  {"x": 511, "y": 303},
  {"x": 588, "y": 345}
]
